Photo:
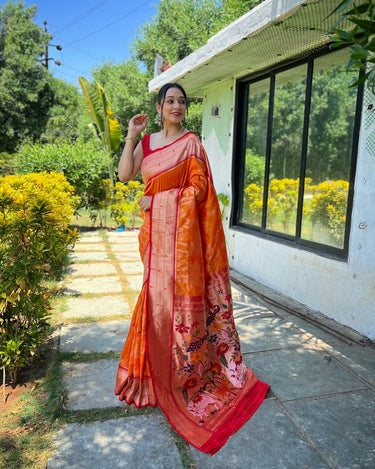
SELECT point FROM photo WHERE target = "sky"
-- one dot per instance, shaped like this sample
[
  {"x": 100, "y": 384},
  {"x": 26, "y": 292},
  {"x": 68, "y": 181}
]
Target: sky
[{"x": 90, "y": 32}]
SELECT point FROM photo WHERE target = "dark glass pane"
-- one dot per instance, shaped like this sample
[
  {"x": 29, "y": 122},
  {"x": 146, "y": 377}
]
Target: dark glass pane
[
  {"x": 329, "y": 151},
  {"x": 256, "y": 139},
  {"x": 287, "y": 129}
]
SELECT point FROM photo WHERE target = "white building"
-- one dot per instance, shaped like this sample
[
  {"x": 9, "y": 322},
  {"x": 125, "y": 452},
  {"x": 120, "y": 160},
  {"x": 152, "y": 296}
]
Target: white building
[{"x": 294, "y": 148}]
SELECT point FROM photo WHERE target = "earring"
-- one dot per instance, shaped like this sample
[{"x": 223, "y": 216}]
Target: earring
[{"x": 160, "y": 119}]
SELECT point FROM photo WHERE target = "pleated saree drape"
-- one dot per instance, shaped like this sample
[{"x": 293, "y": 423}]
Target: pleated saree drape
[{"x": 182, "y": 351}]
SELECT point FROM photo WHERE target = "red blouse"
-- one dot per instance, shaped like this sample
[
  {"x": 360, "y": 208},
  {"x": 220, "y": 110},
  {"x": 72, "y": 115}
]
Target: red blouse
[{"x": 146, "y": 144}]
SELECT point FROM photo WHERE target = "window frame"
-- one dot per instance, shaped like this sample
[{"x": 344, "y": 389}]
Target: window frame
[{"x": 239, "y": 150}]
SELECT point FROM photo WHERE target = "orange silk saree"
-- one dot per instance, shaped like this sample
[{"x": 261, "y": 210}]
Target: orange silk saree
[{"x": 182, "y": 351}]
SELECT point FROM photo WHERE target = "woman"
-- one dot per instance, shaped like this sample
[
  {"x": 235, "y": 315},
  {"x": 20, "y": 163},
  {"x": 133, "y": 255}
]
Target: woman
[{"x": 182, "y": 351}]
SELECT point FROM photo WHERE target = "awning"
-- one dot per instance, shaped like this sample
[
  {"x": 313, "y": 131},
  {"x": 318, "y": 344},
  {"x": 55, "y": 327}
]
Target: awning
[{"x": 275, "y": 31}]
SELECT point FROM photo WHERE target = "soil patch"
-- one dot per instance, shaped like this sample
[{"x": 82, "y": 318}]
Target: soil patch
[{"x": 27, "y": 379}]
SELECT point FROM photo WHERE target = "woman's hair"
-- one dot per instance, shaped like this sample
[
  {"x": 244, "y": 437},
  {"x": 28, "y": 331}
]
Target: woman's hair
[
  {"x": 163, "y": 91},
  {"x": 161, "y": 97}
]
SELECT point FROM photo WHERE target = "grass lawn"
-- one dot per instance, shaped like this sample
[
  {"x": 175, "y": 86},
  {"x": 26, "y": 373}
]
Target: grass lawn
[{"x": 84, "y": 221}]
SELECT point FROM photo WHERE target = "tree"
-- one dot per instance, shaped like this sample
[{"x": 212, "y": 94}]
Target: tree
[
  {"x": 182, "y": 26},
  {"x": 25, "y": 96},
  {"x": 330, "y": 126},
  {"x": 178, "y": 28},
  {"x": 361, "y": 38},
  {"x": 67, "y": 115}
]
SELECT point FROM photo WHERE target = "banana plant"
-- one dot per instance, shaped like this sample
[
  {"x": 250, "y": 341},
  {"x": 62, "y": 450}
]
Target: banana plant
[{"x": 107, "y": 126}]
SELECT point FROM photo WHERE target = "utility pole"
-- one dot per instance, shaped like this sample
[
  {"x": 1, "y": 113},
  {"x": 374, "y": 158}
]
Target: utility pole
[
  {"x": 46, "y": 47},
  {"x": 44, "y": 61}
]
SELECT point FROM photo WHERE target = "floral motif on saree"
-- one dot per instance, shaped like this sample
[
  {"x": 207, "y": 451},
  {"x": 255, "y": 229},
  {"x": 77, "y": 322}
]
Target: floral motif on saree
[{"x": 183, "y": 350}]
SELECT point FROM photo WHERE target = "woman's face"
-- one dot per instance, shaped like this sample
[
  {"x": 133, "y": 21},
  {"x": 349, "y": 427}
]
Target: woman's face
[{"x": 173, "y": 108}]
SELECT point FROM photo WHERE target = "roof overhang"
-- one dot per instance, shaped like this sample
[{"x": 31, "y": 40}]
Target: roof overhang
[{"x": 273, "y": 32}]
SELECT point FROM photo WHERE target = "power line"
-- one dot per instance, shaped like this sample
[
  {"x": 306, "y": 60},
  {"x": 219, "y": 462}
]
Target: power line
[
  {"x": 74, "y": 69},
  {"x": 111, "y": 23},
  {"x": 78, "y": 48},
  {"x": 80, "y": 17},
  {"x": 60, "y": 72}
]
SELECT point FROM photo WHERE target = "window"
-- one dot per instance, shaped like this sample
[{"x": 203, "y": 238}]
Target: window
[{"x": 295, "y": 153}]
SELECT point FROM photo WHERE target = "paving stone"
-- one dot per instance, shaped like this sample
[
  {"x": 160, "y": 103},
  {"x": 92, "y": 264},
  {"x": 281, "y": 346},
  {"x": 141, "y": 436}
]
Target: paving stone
[
  {"x": 135, "y": 282},
  {"x": 90, "y": 239},
  {"x": 125, "y": 247},
  {"x": 250, "y": 311},
  {"x": 128, "y": 256},
  {"x": 314, "y": 331},
  {"x": 342, "y": 427},
  {"x": 93, "y": 285},
  {"x": 91, "y": 385},
  {"x": 241, "y": 300},
  {"x": 241, "y": 295},
  {"x": 300, "y": 373},
  {"x": 97, "y": 268},
  {"x": 95, "y": 307},
  {"x": 268, "y": 440},
  {"x": 119, "y": 237},
  {"x": 132, "y": 267},
  {"x": 267, "y": 333},
  {"x": 89, "y": 256},
  {"x": 361, "y": 360},
  {"x": 90, "y": 247},
  {"x": 324, "y": 399},
  {"x": 99, "y": 337},
  {"x": 133, "y": 443}
]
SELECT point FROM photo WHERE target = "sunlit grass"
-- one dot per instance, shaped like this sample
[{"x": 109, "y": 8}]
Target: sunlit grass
[{"x": 84, "y": 220}]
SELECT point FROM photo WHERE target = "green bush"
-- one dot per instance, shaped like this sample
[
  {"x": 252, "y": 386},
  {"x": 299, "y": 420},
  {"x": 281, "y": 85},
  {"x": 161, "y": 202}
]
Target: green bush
[
  {"x": 35, "y": 212},
  {"x": 223, "y": 202},
  {"x": 254, "y": 168},
  {"x": 6, "y": 164},
  {"x": 83, "y": 164}
]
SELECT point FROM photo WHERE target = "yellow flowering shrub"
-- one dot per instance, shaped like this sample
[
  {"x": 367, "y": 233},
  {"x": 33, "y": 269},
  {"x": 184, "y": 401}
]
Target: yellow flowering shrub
[
  {"x": 35, "y": 212},
  {"x": 328, "y": 207},
  {"x": 282, "y": 201},
  {"x": 253, "y": 197},
  {"x": 122, "y": 200},
  {"x": 325, "y": 205}
]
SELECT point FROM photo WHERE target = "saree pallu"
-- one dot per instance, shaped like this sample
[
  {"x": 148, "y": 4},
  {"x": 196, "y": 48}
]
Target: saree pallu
[{"x": 183, "y": 351}]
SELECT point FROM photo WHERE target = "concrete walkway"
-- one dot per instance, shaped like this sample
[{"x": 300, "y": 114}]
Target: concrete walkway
[{"x": 320, "y": 412}]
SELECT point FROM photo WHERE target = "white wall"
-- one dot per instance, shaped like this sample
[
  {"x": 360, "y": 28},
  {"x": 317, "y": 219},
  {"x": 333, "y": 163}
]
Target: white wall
[{"x": 344, "y": 291}]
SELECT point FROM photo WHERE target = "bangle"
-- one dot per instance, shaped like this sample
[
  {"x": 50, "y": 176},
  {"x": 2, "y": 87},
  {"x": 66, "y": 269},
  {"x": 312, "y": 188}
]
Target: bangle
[{"x": 131, "y": 138}]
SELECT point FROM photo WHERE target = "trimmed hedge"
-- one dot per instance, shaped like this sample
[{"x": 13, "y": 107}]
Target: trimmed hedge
[{"x": 83, "y": 164}]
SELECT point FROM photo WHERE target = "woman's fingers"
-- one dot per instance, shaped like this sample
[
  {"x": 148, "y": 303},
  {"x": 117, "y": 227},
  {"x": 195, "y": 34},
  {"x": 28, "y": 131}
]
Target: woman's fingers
[
  {"x": 145, "y": 202},
  {"x": 140, "y": 119},
  {"x": 138, "y": 122}
]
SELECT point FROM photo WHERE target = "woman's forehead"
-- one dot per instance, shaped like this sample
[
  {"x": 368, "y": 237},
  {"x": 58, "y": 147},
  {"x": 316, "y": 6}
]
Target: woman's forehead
[{"x": 174, "y": 92}]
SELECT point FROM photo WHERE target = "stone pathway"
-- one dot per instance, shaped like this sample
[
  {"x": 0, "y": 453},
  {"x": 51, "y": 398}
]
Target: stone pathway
[{"x": 320, "y": 413}]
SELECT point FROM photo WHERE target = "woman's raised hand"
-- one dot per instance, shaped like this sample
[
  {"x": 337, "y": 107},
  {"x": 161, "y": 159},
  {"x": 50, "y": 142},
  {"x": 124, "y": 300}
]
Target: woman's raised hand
[{"x": 138, "y": 123}]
